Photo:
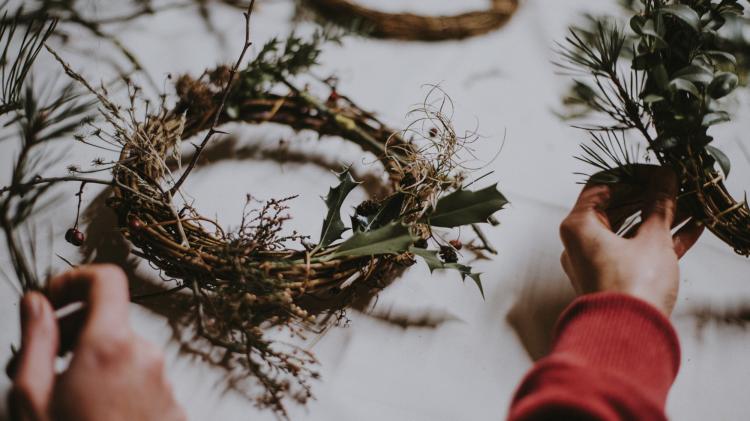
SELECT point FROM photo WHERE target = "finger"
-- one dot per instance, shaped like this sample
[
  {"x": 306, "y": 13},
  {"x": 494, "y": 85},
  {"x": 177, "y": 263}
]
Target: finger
[
  {"x": 104, "y": 290},
  {"x": 687, "y": 236},
  {"x": 35, "y": 375},
  {"x": 660, "y": 202}
]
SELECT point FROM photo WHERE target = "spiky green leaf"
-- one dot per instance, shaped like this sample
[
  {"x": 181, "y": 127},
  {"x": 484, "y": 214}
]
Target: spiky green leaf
[
  {"x": 465, "y": 207},
  {"x": 333, "y": 226},
  {"x": 434, "y": 263},
  {"x": 393, "y": 238}
]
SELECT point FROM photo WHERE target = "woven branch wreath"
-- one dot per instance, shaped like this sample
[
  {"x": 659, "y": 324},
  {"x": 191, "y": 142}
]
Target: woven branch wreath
[
  {"x": 672, "y": 97},
  {"x": 409, "y": 26},
  {"x": 244, "y": 281}
]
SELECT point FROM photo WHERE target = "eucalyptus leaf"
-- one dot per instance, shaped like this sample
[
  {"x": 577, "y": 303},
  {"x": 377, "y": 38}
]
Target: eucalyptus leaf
[
  {"x": 721, "y": 158},
  {"x": 464, "y": 207},
  {"x": 333, "y": 226},
  {"x": 686, "y": 86},
  {"x": 393, "y": 238},
  {"x": 712, "y": 119},
  {"x": 695, "y": 73},
  {"x": 684, "y": 13},
  {"x": 723, "y": 84}
]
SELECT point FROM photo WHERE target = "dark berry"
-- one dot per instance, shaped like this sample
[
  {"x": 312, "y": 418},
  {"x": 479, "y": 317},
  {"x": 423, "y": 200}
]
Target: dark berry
[
  {"x": 334, "y": 97},
  {"x": 368, "y": 208},
  {"x": 75, "y": 237},
  {"x": 433, "y": 132},
  {"x": 448, "y": 254}
]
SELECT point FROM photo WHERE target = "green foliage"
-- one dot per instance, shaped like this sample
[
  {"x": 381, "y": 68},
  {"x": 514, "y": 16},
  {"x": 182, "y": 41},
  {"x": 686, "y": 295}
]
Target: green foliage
[
  {"x": 20, "y": 47},
  {"x": 464, "y": 207},
  {"x": 679, "y": 72},
  {"x": 393, "y": 238},
  {"x": 434, "y": 263},
  {"x": 279, "y": 60},
  {"x": 333, "y": 226},
  {"x": 389, "y": 211}
]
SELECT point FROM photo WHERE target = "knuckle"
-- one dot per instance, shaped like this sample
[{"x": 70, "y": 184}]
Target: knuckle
[
  {"x": 569, "y": 228},
  {"x": 112, "y": 350},
  {"x": 109, "y": 273},
  {"x": 151, "y": 357}
]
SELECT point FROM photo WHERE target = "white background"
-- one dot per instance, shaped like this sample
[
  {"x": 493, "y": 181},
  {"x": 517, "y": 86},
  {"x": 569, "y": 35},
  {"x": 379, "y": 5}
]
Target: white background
[{"x": 468, "y": 367}]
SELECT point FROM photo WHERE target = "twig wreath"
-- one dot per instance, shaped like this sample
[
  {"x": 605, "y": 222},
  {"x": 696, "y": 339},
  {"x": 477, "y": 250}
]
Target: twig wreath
[
  {"x": 244, "y": 281},
  {"x": 410, "y": 26},
  {"x": 672, "y": 97}
]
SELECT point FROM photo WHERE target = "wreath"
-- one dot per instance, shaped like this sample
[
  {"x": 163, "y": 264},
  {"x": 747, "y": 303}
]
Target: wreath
[
  {"x": 244, "y": 281},
  {"x": 409, "y": 26},
  {"x": 672, "y": 96}
]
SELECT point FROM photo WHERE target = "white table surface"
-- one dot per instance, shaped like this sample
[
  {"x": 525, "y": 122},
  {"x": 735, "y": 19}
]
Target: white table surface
[{"x": 468, "y": 367}]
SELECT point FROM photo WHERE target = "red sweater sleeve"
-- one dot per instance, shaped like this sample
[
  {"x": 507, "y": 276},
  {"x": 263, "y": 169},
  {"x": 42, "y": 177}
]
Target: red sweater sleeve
[{"x": 614, "y": 358}]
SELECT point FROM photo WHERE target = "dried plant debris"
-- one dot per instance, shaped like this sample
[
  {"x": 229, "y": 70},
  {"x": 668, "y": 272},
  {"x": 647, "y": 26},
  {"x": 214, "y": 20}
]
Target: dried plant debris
[
  {"x": 667, "y": 82},
  {"x": 255, "y": 291},
  {"x": 410, "y": 26}
]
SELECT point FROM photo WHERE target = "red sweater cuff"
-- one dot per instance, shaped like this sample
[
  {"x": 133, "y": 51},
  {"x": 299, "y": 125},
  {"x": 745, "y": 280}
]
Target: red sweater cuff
[
  {"x": 622, "y": 335},
  {"x": 614, "y": 358}
]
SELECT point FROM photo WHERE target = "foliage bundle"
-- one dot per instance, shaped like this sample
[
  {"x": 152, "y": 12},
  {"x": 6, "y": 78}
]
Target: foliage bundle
[
  {"x": 246, "y": 281},
  {"x": 680, "y": 70},
  {"x": 410, "y": 26}
]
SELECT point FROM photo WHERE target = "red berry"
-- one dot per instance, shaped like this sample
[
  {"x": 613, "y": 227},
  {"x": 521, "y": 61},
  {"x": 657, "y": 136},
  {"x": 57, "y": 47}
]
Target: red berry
[
  {"x": 457, "y": 244},
  {"x": 333, "y": 97},
  {"x": 136, "y": 225},
  {"x": 75, "y": 237}
]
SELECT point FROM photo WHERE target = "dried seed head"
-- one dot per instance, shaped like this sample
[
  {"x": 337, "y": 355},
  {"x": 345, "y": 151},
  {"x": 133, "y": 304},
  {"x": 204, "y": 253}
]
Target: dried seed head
[{"x": 448, "y": 254}]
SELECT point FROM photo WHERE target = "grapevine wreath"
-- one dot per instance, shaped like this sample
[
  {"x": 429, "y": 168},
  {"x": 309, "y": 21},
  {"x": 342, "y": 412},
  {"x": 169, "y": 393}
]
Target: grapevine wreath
[
  {"x": 672, "y": 96},
  {"x": 409, "y": 26},
  {"x": 243, "y": 281}
]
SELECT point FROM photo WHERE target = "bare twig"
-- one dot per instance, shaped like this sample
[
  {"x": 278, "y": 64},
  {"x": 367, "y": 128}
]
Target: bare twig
[{"x": 213, "y": 131}]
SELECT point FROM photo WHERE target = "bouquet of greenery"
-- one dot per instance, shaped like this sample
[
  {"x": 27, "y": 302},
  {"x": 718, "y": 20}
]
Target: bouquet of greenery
[{"x": 666, "y": 81}]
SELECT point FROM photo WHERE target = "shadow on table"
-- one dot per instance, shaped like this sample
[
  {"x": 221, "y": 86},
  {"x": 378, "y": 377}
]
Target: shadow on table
[{"x": 535, "y": 312}]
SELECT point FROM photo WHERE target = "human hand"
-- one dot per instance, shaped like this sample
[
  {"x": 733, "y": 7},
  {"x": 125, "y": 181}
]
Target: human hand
[
  {"x": 644, "y": 265},
  {"x": 114, "y": 375}
]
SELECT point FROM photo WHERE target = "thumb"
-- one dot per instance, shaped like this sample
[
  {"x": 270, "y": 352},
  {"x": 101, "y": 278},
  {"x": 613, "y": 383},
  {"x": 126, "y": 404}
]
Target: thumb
[{"x": 35, "y": 376}]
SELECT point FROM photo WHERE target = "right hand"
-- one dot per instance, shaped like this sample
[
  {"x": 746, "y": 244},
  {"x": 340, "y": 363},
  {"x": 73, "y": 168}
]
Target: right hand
[
  {"x": 644, "y": 265},
  {"x": 114, "y": 375}
]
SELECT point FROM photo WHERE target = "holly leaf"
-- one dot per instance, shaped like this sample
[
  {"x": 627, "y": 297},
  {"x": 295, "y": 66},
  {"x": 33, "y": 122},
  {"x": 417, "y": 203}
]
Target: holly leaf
[
  {"x": 333, "y": 226},
  {"x": 684, "y": 13},
  {"x": 388, "y": 212},
  {"x": 434, "y": 263},
  {"x": 721, "y": 158},
  {"x": 464, "y": 207},
  {"x": 393, "y": 238}
]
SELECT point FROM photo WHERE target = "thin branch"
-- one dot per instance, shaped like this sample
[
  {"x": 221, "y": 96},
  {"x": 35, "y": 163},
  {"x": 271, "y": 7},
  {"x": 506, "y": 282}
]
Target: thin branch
[
  {"x": 52, "y": 180},
  {"x": 212, "y": 131}
]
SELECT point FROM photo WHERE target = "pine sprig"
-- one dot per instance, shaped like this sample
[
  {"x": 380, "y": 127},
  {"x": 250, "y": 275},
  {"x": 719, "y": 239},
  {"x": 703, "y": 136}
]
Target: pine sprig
[{"x": 672, "y": 95}]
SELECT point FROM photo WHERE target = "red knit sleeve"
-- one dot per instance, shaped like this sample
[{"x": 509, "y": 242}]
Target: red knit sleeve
[{"x": 614, "y": 358}]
